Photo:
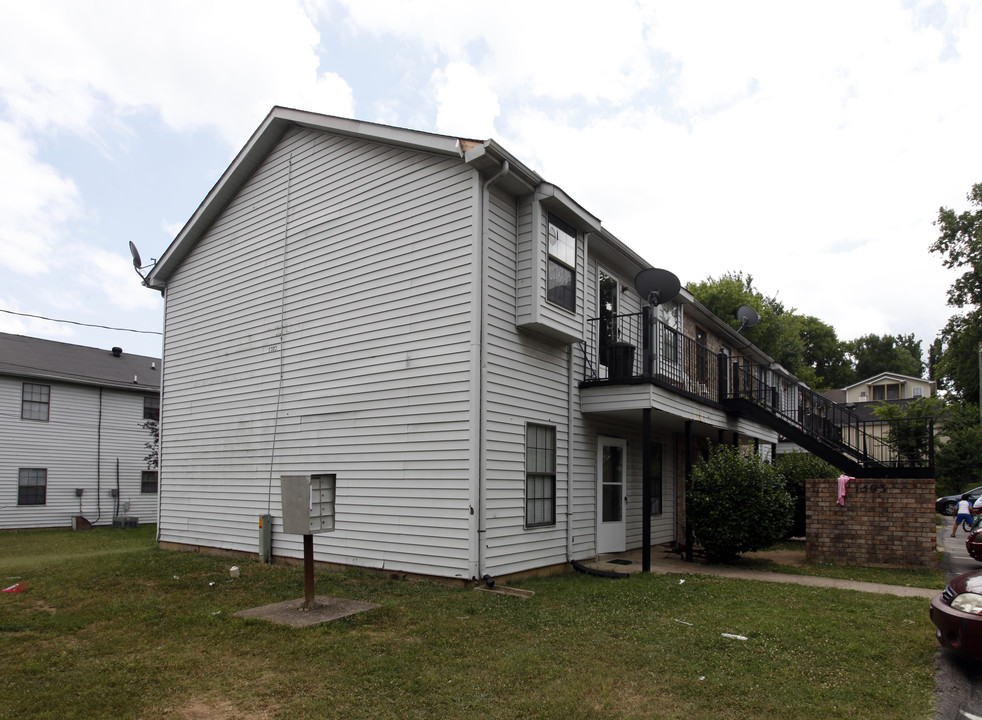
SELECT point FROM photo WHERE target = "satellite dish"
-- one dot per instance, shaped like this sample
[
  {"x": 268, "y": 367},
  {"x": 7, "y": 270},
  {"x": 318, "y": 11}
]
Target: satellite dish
[
  {"x": 656, "y": 285},
  {"x": 747, "y": 316},
  {"x": 137, "y": 263}
]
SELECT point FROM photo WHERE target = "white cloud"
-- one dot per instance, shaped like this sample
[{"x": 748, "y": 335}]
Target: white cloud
[
  {"x": 466, "y": 105},
  {"x": 216, "y": 64},
  {"x": 36, "y": 203}
]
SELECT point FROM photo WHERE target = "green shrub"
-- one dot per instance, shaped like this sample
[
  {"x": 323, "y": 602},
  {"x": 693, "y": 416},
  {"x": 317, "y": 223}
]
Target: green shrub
[
  {"x": 737, "y": 503},
  {"x": 797, "y": 467}
]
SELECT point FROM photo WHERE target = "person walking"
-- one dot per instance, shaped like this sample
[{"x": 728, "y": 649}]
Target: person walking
[{"x": 964, "y": 512}]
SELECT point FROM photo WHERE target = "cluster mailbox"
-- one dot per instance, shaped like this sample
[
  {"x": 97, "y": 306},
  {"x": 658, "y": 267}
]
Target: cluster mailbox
[{"x": 308, "y": 503}]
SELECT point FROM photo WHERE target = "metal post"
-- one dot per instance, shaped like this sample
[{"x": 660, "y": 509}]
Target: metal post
[
  {"x": 647, "y": 364},
  {"x": 646, "y": 490},
  {"x": 308, "y": 573},
  {"x": 688, "y": 477}
]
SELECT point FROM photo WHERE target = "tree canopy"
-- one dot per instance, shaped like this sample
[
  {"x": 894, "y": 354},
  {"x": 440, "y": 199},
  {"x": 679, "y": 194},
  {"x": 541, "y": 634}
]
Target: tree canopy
[
  {"x": 805, "y": 345},
  {"x": 960, "y": 245}
]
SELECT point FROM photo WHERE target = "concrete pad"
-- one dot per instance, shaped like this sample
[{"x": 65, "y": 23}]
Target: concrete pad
[{"x": 289, "y": 613}]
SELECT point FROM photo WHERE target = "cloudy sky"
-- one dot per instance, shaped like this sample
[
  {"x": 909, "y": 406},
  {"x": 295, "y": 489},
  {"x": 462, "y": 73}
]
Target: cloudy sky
[{"x": 809, "y": 145}]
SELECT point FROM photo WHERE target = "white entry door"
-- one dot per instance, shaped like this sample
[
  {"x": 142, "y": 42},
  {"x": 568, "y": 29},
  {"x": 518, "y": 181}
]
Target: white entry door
[{"x": 611, "y": 495}]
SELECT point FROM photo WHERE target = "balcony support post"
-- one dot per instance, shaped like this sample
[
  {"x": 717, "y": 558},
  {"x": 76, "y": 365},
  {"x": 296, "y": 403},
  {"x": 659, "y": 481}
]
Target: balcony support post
[{"x": 646, "y": 489}]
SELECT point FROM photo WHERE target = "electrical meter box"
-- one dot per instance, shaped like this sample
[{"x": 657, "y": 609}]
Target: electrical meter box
[{"x": 308, "y": 503}]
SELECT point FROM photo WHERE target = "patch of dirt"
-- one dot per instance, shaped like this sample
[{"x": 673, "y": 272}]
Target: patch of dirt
[
  {"x": 794, "y": 558},
  {"x": 206, "y": 709}
]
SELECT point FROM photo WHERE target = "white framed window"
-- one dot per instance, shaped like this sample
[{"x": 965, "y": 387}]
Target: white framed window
[
  {"x": 148, "y": 482},
  {"x": 32, "y": 486},
  {"x": 35, "y": 402},
  {"x": 540, "y": 475},
  {"x": 561, "y": 271}
]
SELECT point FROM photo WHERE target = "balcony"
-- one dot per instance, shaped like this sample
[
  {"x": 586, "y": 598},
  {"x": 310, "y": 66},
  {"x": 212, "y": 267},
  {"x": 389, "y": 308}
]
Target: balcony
[{"x": 635, "y": 348}]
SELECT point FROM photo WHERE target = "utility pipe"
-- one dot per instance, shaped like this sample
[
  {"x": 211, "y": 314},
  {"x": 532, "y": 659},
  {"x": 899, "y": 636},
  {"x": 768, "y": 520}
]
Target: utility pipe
[{"x": 485, "y": 201}]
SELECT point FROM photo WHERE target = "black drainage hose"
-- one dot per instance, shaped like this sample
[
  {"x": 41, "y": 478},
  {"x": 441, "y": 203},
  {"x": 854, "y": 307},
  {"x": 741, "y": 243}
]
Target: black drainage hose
[{"x": 598, "y": 573}]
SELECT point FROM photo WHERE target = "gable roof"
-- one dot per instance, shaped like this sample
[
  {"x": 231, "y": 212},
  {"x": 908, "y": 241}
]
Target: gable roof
[
  {"x": 29, "y": 357},
  {"x": 266, "y": 136},
  {"x": 886, "y": 376}
]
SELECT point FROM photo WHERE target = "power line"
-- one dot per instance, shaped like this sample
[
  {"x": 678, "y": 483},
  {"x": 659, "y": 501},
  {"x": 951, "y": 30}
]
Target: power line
[{"x": 73, "y": 322}]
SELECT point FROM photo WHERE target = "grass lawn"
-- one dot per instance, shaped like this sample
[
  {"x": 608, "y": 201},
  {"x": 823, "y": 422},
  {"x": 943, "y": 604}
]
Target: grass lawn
[{"x": 110, "y": 626}]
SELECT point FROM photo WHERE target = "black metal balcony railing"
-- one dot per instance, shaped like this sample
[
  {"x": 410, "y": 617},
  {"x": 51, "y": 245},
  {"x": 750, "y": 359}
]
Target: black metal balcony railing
[{"x": 632, "y": 348}]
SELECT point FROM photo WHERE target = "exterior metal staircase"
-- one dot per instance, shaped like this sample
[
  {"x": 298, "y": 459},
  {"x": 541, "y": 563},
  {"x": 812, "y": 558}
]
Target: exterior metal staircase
[{"x": 833, "y": 432}]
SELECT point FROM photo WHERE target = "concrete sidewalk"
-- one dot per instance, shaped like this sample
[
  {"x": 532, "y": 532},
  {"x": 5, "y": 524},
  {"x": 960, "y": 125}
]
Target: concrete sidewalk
[{"x": 666, "y": 562}]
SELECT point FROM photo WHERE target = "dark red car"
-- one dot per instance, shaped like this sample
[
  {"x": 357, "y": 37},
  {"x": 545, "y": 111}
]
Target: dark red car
[
  {"x": 974, "y": 544},
  {"x": 957, "y": 613}
]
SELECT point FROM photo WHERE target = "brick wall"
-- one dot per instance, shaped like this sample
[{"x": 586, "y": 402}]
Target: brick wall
[{"x": 884, "y": 523}]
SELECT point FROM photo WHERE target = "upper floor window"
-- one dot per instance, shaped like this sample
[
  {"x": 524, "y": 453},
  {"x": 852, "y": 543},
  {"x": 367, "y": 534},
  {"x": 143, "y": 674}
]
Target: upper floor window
[
  {"x": 35, "y": 401},
  {"x": 32, "y": 486},
  {"x": 886, "y": 392},
  {"x": 561, "y": 279},
  {"x": 151, "y": 407}
]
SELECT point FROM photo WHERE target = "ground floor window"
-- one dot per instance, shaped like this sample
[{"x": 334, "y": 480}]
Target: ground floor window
[
  {"x": 540, "y": 475},
  {"x": 32, "y": 486},
  {"x": 148, "y": 481}
]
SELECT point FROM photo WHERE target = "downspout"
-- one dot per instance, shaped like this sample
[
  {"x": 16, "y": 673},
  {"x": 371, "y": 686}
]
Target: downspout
[
  {"x": 570, "y": 403},
  {"x": 160, "y": 415},
  {"x": 98, "y": 465},
  {"x": 485, "y": 201}
]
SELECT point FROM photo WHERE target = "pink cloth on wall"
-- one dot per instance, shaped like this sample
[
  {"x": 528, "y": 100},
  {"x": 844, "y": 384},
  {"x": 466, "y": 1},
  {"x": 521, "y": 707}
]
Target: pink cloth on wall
[{"x": 843, "y": 481}]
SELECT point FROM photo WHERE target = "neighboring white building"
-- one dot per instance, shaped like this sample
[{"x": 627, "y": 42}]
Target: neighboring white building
[
  {"x": 455, "y": 339},
  {"x": 72, "y": 438},
  {"x": 889, "y": 386}
]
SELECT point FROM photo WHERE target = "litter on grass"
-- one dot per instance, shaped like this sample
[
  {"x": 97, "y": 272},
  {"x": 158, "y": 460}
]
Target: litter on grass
[
  {"x": 15, "y": 588},
  {"x": 682, "y": 622},
  {"x": 735, "y": 637}
]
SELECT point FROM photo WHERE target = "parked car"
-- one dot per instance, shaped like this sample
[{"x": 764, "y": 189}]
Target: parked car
[
  {"x": 957, "y": 613},
  {"x": 946, "y": 505},
  {"x": 974, "y": 544}
]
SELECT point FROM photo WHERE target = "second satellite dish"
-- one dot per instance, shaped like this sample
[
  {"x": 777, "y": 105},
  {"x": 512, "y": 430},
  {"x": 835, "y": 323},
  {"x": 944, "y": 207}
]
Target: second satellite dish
[
  {"x": 747, "y": 316},
  {"x": 656, "y": 285}
]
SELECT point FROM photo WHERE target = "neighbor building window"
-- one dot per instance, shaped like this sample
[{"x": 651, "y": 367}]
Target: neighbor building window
[
  {"x": 32, "y": 485},
  {"x": 151, "y": 407},
  {"x": 886, "y": 392},
  {"x": 540, "y": 475},
  {"x": 561, "y": 281},
  {"x": 35, "y": 400},
  {"x": 148, "y": 481}
]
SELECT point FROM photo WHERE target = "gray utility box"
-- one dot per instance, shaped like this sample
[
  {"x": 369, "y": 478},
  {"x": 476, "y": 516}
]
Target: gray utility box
[{"x": 308, "y": 503}]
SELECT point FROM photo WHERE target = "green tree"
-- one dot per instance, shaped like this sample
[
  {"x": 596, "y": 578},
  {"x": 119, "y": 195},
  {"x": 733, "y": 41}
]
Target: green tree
[
  {"x": 909, "y": 431},
  {"x": 796, "y": 468},
  {"x": 736, "y": 503},
  {"x": 803, "y": 345},
  {"x": 960, "y": 245},
  {"x": 874, "y": 354},
  {"x": 958, "y": 457}
]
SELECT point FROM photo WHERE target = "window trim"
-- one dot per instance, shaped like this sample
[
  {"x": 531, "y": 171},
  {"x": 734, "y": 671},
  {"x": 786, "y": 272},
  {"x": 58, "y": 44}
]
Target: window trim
[
  {"x": 533, "y": 503},
  {"x": 154, "y": 410},
  {"x": 561, "y": 263},
  {"x": 25, "y": 490},
  {"x": 35, "y": 404},
  {"x": 144, "y": 482}
]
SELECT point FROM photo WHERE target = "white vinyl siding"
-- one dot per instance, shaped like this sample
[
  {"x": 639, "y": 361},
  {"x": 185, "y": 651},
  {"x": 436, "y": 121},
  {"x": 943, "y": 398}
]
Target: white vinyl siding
[
  {"x": 76, "y": 453},
  {"x": 527, "y": 382},
  {"x": 375, "y": 357}
]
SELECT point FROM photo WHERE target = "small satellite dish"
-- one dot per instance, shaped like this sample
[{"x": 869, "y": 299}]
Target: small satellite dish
[
  {"x": 747, "y": 316},
  {"x": 137, "y": 262},
  {"x": 656, "y": 285}
]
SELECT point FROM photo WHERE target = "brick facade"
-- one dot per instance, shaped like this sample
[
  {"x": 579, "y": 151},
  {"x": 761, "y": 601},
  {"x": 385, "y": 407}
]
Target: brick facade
[{"x": 884, "y": 523}]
